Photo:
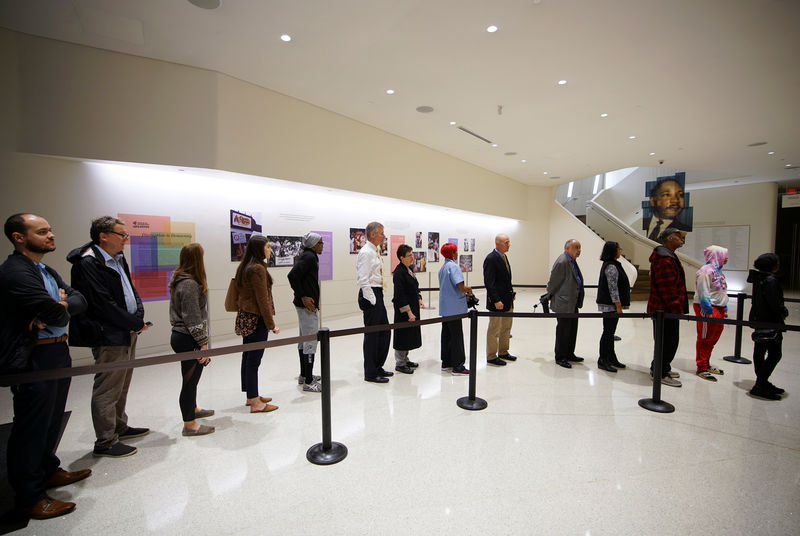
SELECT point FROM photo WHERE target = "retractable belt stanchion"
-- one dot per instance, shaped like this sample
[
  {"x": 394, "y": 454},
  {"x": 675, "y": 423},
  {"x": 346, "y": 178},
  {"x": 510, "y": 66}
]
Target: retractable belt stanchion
[
  {"x": 328, "y": 452},
  {"x": 655, "y": 403},
  {"x": 737, "y": 343},
  {"x": 472, "y": 402}
]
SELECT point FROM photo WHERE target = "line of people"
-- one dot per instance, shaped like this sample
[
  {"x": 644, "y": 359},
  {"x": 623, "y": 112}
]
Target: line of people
[{"x": 104, "y": 312}]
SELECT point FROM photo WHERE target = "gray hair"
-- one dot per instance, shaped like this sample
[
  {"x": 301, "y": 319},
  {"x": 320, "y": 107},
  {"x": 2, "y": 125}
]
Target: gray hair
[
  {"x": 372, "y": 228},
  {"x": 568, "y": 242},
  {"x": 103, "y": 224}
]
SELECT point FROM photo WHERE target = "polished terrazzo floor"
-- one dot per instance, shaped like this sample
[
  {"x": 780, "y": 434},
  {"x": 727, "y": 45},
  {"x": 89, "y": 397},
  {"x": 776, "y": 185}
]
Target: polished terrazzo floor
[{"x": 556, "y": 452}]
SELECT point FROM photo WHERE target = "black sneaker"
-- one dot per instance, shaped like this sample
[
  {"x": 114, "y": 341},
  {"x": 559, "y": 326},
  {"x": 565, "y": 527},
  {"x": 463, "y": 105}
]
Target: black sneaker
[
  {"x": 117, "y": 450},
  {"x": 132, "y": 432}
]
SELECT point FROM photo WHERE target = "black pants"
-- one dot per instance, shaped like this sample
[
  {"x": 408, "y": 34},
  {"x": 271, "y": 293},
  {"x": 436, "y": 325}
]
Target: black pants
[
  {"x": 566, "y": 336},
  {"x": 607, "y": 353},
  {"x": 191, "y": 370},
  {"x": 671, "y": 340},
  {"x": 765, "y": 365},
  {"x": 376, "y": 345},
  {"x": 252, "y": 360},
  {"x": 38, "y": 413},
  {"x": 452, "y": 348}
]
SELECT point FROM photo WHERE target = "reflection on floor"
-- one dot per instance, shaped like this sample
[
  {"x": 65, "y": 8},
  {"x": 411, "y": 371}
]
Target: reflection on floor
[{"x": 556, "y": 452}]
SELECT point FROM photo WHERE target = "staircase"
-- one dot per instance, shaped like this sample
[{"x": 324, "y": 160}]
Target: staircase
[{"x": 640, "y": 291}]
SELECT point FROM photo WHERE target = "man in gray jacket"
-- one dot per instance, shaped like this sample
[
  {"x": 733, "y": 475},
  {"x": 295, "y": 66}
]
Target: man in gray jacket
[{"x": 565, "y": 289}]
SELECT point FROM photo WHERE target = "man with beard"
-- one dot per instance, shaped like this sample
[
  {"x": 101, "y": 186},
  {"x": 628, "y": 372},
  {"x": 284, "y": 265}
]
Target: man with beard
[{"x": 35, "y": 308}]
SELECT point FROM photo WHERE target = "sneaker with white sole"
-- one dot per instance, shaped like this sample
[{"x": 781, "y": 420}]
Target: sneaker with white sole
[
  {"x": 672, "y": 382},
  {"x": 673, "y": 374},
  {"x": 313, "y": 387}
]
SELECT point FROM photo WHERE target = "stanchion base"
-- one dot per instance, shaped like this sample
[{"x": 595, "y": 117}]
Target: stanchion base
[
  {"x": 319, "y": 456},
  {"x": 473, "y": 405},
  {"x": 656, "y": 405},
  {"x": 737, "y": 359}
]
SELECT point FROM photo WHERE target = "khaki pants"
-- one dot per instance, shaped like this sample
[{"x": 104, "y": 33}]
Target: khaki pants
[
  {"x": 110, "y": 393},
  {"x": 497, "y": 335}
]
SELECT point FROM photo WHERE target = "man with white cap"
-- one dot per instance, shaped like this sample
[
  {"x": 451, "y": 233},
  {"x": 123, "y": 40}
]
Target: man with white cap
[{"x": 304, "y": 280}]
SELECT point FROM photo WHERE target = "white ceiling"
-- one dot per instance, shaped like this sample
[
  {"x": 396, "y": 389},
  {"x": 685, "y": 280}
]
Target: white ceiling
[{"x": 696, "y": 81}]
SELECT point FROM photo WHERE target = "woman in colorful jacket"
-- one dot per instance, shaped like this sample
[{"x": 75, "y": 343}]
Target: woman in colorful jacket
[{"x": 710, "y": 301}]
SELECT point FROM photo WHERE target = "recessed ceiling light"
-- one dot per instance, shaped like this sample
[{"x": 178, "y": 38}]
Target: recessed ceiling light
[
  {"x": 524, "y": 161},
  {"x": 390, "y": 92},
  {"x": 631, "y": 137},
  {"x": 771, "y": 152},
  {"x": 494, "y": 145},
  {"x": 546, "y": 172},
  {"x": 603, "y": 115},
  {"x": 491, "y": 29},
  {"x": 452, "y": 123},
  {"x": 652, "y": 154},
  {"x": 286, "y": 38},
  {"x": 788, "y": 165},
  {"x": 562, "y": 82}
]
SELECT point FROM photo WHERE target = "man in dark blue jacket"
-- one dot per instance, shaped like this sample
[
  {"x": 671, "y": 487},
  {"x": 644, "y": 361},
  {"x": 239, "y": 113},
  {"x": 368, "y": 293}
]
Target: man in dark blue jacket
[
  {"x": 35, "y": 307},
  {"x": 110, "y": 327},
  {"x": 499, "y": 297}
]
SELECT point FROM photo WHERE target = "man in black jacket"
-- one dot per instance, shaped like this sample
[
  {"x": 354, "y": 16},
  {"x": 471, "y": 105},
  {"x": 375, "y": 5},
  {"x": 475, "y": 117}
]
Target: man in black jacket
[
  {"x": 35, "y": 307},
  {"x": 304, "y": 280},
  {"x": 110, "y": 327},
  {"x": 499, "y": 297}
]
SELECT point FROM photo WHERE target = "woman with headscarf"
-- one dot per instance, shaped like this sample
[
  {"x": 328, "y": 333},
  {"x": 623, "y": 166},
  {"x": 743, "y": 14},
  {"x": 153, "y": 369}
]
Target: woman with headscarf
[
  {"x": 710, "y": 301},
  {"x": 189, "y": 318},
  {"x": 251, "y": 296},
  {"x": 613, "y": 295},
  {"x": 767, "y": 307}
]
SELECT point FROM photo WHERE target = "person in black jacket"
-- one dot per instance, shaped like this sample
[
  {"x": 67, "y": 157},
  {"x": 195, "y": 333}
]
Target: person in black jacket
[
  {"x": 499, "y": 297},
  {"x": 407, "y": 302},
  {"x": 613, "y": 295},
  {"x": 35, "y": 308},
  {"x": 767, "y": 307},
  {"x": 304, "y": 280},
  {"x": 110, "y": 327}
]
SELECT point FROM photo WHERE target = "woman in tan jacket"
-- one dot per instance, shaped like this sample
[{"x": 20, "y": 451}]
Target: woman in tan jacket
[{"x": 254, "y": 317}]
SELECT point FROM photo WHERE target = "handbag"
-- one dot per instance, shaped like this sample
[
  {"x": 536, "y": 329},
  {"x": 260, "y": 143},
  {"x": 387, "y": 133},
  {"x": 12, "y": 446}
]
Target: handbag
[
  {"x": 764, "y": 336},
  {"x": 245, "y": 323},
  {"x": 232, "y": 297}
]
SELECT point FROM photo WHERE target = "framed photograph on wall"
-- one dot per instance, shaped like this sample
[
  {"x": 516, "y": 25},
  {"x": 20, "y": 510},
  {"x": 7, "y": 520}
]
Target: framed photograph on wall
[{"x": 358, "y": 237}]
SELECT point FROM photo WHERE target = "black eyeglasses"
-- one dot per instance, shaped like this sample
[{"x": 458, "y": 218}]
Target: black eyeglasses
[{"x": 124, "y": 236}]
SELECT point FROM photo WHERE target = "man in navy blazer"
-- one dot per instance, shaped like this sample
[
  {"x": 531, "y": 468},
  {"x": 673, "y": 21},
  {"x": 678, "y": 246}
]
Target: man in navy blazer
[
  {"x": 499, "y": 297},
  {"x": 565, "y": 289}
]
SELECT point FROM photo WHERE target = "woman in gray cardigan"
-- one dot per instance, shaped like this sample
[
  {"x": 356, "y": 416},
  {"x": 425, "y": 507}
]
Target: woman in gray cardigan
[{"x": 189, "y": 318}]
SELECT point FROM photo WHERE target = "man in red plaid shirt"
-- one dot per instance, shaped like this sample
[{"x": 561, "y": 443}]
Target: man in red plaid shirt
[{"x": 668, "y": 294}]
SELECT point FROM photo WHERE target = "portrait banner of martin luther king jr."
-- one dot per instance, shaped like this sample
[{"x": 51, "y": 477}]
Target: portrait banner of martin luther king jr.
[{"x": 667, "y": 205}]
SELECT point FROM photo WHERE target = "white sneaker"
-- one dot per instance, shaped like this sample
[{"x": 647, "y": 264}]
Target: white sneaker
[
  {"x": 313, "y": 387},
  {"x": 673, "y": 374},
  {"x": 672, "y": 382}
]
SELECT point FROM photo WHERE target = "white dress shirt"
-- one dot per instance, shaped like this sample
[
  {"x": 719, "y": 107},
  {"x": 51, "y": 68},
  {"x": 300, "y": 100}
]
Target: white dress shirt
[{"x": 369, "y": 271}]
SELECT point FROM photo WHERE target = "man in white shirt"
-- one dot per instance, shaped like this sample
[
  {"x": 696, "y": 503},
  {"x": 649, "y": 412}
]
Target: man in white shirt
[{"x": 369, "y": 278}]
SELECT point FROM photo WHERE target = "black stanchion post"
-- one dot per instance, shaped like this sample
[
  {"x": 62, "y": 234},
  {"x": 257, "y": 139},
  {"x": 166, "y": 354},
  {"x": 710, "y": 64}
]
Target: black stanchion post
[
  {"x": 328, "y": 452},
  {"x": 655, "y": 403},
  {"x": 737, "y": 343},
  {"x": 472, "y": 402}
]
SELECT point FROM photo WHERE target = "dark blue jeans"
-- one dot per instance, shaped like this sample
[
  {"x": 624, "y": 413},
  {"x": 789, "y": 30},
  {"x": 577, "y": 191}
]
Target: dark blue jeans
[
  {"x": 252, "y": 360},
  {"x": 38, "y": 413}
]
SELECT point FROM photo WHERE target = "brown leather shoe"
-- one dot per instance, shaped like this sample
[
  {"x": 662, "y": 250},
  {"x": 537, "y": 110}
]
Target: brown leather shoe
[
  {"x": 49, "y": 507},
  {"x": 65, "y": 478}
]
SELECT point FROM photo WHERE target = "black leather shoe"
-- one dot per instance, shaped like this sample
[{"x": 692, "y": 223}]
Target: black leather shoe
[
  {"x": 617, "y": 364},
  {"x": 508, "y": 357},
  {"x": 412, "y": 364},
  {"x": 575, "y": 359},
  {"x": 385, "y": 373},
  {"x": 377, "y": 379},
  {"x": 405, "y": 369},
  {"x": 605, "y": 366},
  {"x": 497, "y": 362},
  {"x": 563, "y": 363}
]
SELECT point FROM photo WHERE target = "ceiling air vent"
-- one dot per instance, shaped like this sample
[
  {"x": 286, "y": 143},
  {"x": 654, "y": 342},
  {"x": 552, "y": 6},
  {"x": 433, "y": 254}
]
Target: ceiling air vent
[{"x": 468, "y": 131}]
